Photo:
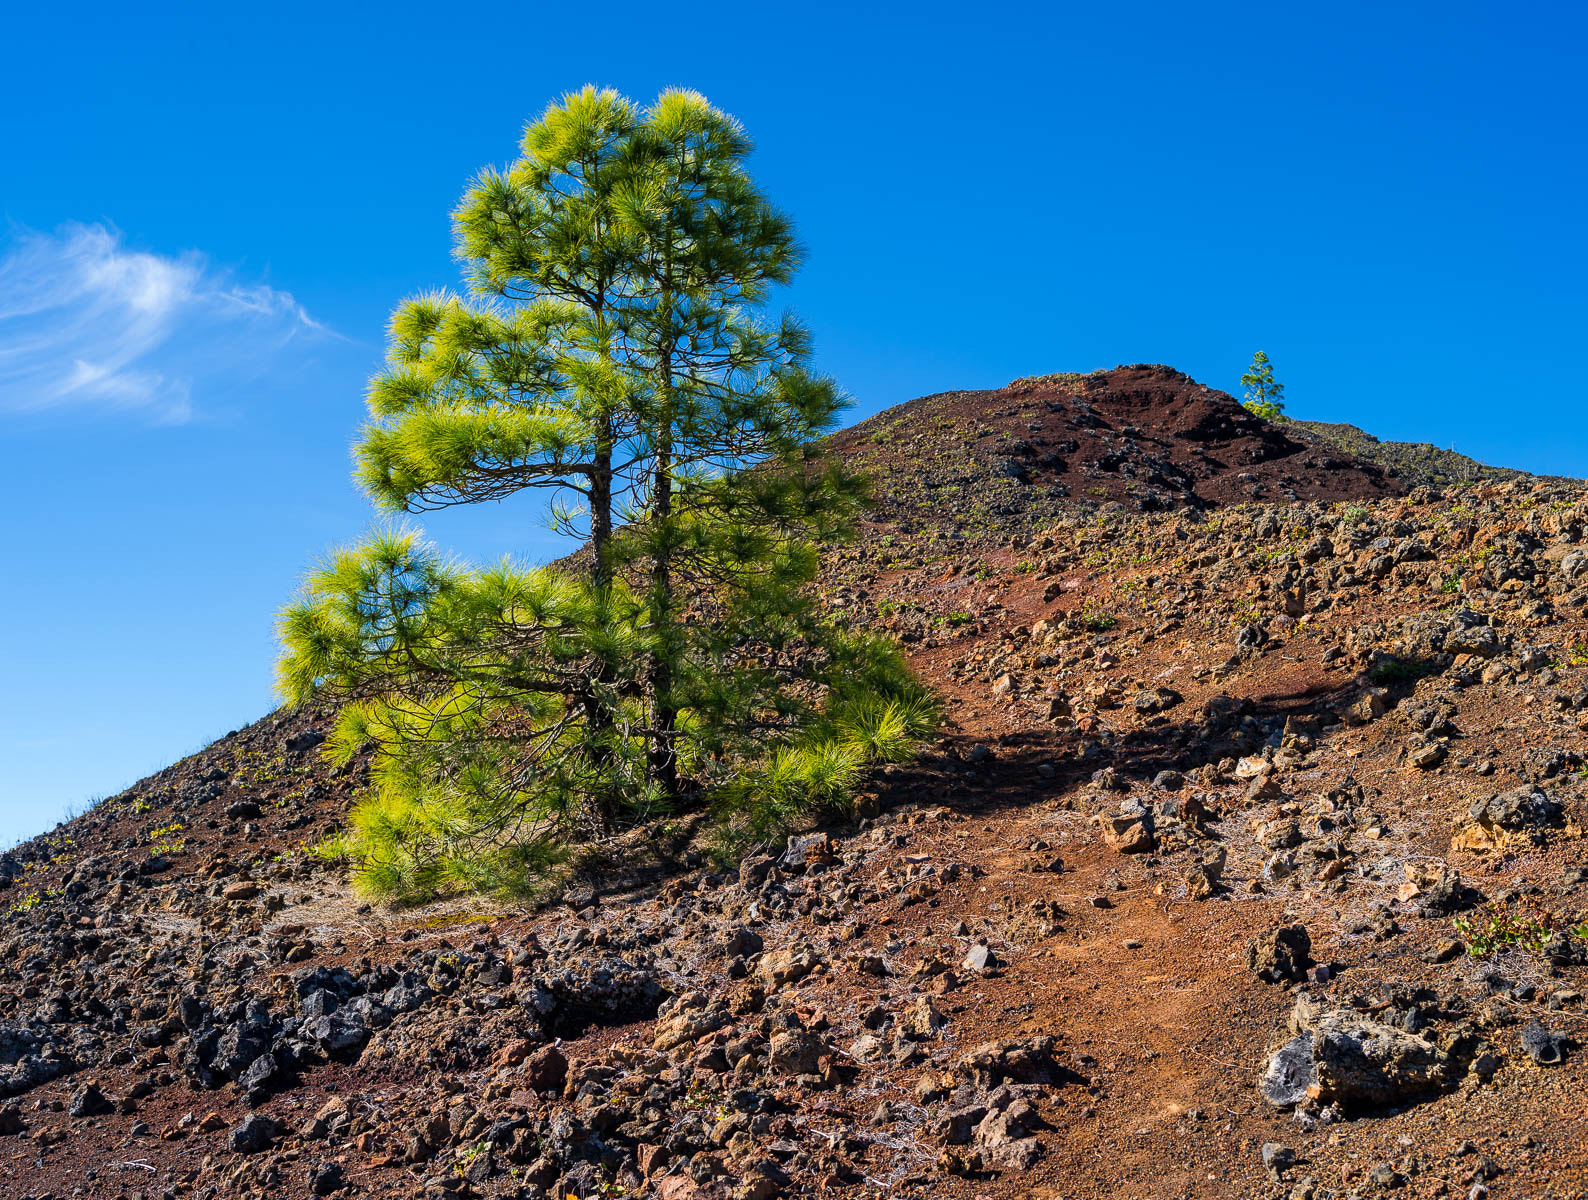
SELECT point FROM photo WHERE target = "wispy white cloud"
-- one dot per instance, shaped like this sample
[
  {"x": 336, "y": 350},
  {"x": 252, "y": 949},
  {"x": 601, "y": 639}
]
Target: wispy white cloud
[{"x": 86, "y": 323}]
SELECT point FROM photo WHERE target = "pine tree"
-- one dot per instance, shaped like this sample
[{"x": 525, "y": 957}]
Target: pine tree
[
  {"x": 612, "y": 350},
  {"x": 720, "y": 390},
  {"x": 1263, "y": 396}
]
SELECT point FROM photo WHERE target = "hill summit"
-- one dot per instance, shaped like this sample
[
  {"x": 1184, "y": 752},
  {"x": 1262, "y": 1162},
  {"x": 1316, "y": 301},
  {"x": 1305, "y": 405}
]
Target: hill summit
[{"x": 1145, "y": 436}]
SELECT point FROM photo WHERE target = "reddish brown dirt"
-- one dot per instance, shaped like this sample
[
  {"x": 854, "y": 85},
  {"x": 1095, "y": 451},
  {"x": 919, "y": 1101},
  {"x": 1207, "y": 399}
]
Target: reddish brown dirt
[
  {"x": 1162, "y": 1027},
  {"x": 1146, "y": 436}
]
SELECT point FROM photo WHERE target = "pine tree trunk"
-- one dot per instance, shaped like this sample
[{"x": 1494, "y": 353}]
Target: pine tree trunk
[
  {"x": 598, "y": 715},
  {"x": 662, "y": 764},
  {"x": 662, "y": 757},
  {"x": 601, "y": 513}
]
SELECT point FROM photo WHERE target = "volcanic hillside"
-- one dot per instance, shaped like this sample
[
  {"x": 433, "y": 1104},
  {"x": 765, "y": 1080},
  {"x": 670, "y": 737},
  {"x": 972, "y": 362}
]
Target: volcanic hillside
[
  {"x": 1145, "y": 436},
  {"x": 1249, "y": 863},
  {"x": 1412, "y": 462}
]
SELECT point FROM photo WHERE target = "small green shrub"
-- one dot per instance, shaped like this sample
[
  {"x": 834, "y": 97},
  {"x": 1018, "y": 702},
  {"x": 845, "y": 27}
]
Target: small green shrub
[
  {"x": 337, "y": 849},
  {"x": 1493, "y": 929},
  {"x": 1097, "y": 619}
]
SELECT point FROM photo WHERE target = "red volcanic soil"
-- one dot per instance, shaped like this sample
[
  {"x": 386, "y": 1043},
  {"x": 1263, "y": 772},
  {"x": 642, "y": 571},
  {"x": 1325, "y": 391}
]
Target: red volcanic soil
[
  {"x": 1025, "y": 967},
  {"x": 1148, "y": 436}
]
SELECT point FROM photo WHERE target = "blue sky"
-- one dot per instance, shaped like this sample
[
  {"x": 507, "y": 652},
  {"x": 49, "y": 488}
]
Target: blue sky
[{"x": 208, "y": 213}]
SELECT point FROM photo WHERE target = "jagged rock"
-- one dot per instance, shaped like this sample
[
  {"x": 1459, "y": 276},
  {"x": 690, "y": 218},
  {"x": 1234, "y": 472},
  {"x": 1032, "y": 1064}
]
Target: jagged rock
[
  {"x": 980, "y": 957},
  {"x": 922, "y": 1020},
  {"x": 742, "y": 941},
  {"x": 1574, "y": 565},
  {"x": 1280, "y": 835},
  {"x": 1280, "y": 956},
  {"x": 1157, "y": 700},
  {"x": 546, "y": 1070},
  {"x": 1128, "y": 834},
  {"x": 587, "y": 991},
  {"x": 339, "y": 1033},
  {"x": 1252, "y": 767},
  {"x": 1368, "y": 706},
  {"x": 1288, "y": 1075},
  {"x": 1547, "y": 762},
  {"x": 1278, "y": 1158},
  {"x": 781, "y": 968},
  {"x": 88, "y": 1101},
  {"x": 1481, "y": 641},
  {"x": 1546, "y": 1047},
  {"x": 1521, "y": 814},
  {"x": 1427, "y": 756},
  {"x": 1564, "y": 950},
  {"x": 242, "y": 890},
  {"x": 810, "y": 850},
  {"x": 1017, "y": 1060},
  {"x": 753, "y": 871},
  {"x": 1250, "y": 638},
  {"x": 1201, "y": 881},
  {"x": 797, "y": 1052},
  {"x": 29, "y": 1057},
  {"x": 1006, "y": 1139},
  {"x": 1438, "y": 890},
  {"x": 259, "y": 1074},
  {"x": 256, "y": 1132},
  {"x": 333, "y": 1114},
  {"x": 686, "y": 1019},
  {"x": 1385, "y": 1177},
  {"x": 325, "y": 1179},
  {"x": 1337, "y": 1056}
]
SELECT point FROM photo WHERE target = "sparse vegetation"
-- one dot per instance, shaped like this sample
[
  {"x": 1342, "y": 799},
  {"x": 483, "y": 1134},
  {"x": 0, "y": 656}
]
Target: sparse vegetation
[
  {"x": 1189, "y": 689},
  {"x": 1496, "y": 928},
  {"x": 1098, "y": 620}
]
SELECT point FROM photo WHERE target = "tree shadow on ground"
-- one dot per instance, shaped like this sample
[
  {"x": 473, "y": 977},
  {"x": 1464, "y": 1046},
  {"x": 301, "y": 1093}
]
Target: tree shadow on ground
[
  {"x": 1024, "y": 767},
  {"x": 1036, "y": 764}
]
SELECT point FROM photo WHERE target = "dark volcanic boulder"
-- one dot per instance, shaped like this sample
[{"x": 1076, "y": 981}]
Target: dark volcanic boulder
[
  {"x": 592, "y": 992},
  {"x": 1282, "y": 955},
  {"x": 29, "y": 1057},
  {"x": 257, "y": 1132},
  {"x": 88, "y": 1101},
  {"x": 1337, "y": 1056}
]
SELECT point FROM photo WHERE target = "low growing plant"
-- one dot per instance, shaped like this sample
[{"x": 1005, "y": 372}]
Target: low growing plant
[{"x": 1495, "y": 928}]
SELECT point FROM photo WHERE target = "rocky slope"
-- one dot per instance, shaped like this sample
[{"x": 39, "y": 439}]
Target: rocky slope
[
  {"x": 1413, "y": 463},
  {"x": 1145, "y": 436},
  {"x": 1249, "y": 863}
]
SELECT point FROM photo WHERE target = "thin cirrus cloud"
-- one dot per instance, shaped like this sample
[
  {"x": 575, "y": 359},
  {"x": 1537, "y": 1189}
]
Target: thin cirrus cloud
[{"x": 89, "y": 324}]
